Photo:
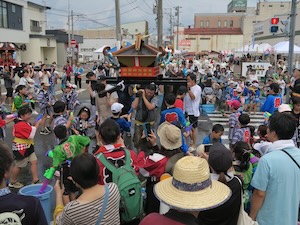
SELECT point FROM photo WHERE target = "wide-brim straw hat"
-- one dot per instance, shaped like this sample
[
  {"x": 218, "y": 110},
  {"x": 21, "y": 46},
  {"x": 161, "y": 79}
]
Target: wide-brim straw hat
[
  {"x": 170, "y": 136},
  {"x": 190, "y": 188}
]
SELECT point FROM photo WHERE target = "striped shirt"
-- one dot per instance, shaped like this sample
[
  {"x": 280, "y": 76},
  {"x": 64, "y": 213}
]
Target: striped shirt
[
  {"x": 242, "y": 134},
  {"x": 233, "y": 124},
  {"x": 81, "y": 214}
]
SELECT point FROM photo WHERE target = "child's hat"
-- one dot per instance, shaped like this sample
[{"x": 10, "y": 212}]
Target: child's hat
[{"x": 116, "y": 107}]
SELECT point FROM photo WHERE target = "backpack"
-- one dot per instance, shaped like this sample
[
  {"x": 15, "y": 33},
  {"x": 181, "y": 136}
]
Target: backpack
[{"x": 129, "y": 185}]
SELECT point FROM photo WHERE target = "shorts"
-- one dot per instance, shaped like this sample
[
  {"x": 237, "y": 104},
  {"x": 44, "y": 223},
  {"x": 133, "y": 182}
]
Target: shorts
[
  {"x": 23, "y": 163},
  {"x": 193, "y": 121},
  {"x": 46, "y": 111},
  {"x": 9, "y": 92},
  {"x": 69, "y": 185}
]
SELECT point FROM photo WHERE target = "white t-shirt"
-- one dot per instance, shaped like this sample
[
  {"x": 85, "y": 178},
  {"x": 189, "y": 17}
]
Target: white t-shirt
[
  {"x": 191, "y": 107},
  {"x": 44, "y": 79},
  {"x": 23, "y": 81}
]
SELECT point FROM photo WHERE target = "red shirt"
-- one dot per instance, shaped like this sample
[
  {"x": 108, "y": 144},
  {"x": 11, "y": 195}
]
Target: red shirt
[
  {"x": 116, "y": 155},
  {"x": 157, "y": 219},
  {"x": 2, "y": 123},
  {"x": 152, "y": 165},
  {"x": 179, "y": 104}
]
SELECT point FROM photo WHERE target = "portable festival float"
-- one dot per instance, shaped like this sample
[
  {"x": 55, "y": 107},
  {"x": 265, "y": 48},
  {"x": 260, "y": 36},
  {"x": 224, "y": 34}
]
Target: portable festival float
[{"x": 138, "y": 65}]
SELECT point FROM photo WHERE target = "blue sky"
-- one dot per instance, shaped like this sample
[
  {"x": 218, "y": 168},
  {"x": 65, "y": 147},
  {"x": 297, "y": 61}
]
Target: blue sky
[{"x": 100, "y": 13}]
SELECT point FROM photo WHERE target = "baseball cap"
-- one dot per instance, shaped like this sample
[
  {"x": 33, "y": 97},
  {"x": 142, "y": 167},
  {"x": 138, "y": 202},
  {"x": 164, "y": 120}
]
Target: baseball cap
[
  {"x": 235, "y": 104},
  {"x": 220, "y": 158},
  {"x": 116, "y": 107},
  {"x": 73, "y": 86},
  {"x": 262, "y": 147},
  {"x": 102, "y": 77},
  {"x": 284, "y": 108}
]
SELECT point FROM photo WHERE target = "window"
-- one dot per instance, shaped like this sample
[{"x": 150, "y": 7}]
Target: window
[
  {"x": 35, "y": 26},
  {"x": 231, "y": 23},
  {"x": 219, "y": 23},
  {"x": 207, "y": 23},
  {"x": 201, "y": 23},
  {"x": 225, "y": 23},
  {"x": 3, "y": 14},
  {"x": 270, "y": 6},
  {"x": 13, "y": 8},
  {"x": 34, "y": 23}
]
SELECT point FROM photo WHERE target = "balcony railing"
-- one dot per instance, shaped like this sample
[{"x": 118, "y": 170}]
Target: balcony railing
[{"x": 35, "y": 29}]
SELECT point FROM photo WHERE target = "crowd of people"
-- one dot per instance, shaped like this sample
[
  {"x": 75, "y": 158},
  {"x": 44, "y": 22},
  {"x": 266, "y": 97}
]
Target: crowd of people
[{"x": 167, "y": 178}]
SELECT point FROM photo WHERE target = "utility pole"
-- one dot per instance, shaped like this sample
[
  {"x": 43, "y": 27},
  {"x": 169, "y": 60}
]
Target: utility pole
[
  {"x": 177, "y": 32},
  {"x": 171, "y": 23},
  {"x": 72, "y": 24},
  {"x": 118, "y": 23},
  {"x": 69, "y": 33},
  {"x": 159, "y": 22},
  {"x": 292, "y": 36}
]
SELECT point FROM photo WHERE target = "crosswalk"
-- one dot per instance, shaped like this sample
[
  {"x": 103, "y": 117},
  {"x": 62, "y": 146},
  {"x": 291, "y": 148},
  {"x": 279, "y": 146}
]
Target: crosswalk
[{"x": 217, "y": 117}]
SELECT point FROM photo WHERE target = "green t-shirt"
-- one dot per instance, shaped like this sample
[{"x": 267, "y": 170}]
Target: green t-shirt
[
  {"x": 69, "y": 149},
  {"x": 18, "y": 101}
]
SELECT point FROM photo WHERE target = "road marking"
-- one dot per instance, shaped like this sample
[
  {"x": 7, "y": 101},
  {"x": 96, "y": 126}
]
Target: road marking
[{"x": 227, "y": 119}]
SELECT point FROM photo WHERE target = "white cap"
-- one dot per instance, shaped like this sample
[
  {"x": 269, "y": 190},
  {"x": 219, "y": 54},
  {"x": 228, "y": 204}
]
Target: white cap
[
  {"x": 116, "y": 107},
  {"x": 284, "y": 108},
  {"x": 262, "y": 147}
]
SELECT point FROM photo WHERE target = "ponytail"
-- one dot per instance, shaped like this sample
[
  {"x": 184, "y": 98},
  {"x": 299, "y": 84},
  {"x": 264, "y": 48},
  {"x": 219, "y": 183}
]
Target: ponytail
[
  {"x": 222, "y": 178},
  {"x": 245, "y": 159}
]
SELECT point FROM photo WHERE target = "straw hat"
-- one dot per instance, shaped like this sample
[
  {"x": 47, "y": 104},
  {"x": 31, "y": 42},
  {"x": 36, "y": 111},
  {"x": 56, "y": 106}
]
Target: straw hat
[
  {"x": 170, "y": 136},
  {"x": 190, "y": 188}
]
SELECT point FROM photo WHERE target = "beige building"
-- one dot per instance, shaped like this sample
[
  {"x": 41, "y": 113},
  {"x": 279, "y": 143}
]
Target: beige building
[
  {"x": 263, "y": 11},
  {"x": 212, "y": 32}
]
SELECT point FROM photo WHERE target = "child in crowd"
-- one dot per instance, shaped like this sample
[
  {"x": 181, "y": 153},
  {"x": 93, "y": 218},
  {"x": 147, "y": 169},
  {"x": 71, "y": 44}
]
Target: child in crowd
[
  {"x": 83, "y": 122},
  {"x": 218, "y": 95},
  {"x": 254, "y": 100},
  {"x": 243, "y": 168},
  {"x": 124, "y": 124},
  {"x": 23, "y": 146},
  {"x": 281, "y": 84},
  {"x": 273, "y": 101},
  {"x": 75, "y": 144},
  {"x": 215, "y": 135},
  {"x": 3, "y": 122},
  {"x": 60, "y": 117},
  {"x": 246, "y": 96},
  {"x": 20, "y": 97},
  {"x": 182, "y": 90},
  {"x": 233, "y": 119},
  {"x": 64, "y": 79},
  {"x": 208, "y": 95},
  {"x": 243, "y": 133},
  {"x": 262, "y": 133},
  {"x": 45, "y": 100},
  {"x": 172, "y": 114},
  {"x": 70, "y": 97}
]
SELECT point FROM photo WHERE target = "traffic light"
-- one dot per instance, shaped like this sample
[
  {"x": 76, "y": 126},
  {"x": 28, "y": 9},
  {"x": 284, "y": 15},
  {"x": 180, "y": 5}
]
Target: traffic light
[{"x": 274, "y": 24}]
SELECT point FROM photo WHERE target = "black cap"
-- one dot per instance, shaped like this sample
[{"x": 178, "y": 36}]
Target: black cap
[
  {"x": 102, "y": 77},
  {"x": 220, "y": 158}
]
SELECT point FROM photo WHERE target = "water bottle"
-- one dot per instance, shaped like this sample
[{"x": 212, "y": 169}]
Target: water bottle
[{"x": 144, "y": 194}]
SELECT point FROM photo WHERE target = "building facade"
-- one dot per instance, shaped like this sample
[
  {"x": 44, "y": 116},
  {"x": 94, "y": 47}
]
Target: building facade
[
  {"x": 23, "y": 24},
  {"x": 94, "y": 39},
  {"x": 262, "y": 12}
]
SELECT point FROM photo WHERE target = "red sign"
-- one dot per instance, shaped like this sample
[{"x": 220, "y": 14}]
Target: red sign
[
  {"x": 184, "y": 43},
  {"x": 73, "y": 42}
]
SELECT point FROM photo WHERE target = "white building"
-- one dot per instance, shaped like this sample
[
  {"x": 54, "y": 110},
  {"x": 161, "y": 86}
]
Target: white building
[{"x": 23, "y": 23}]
